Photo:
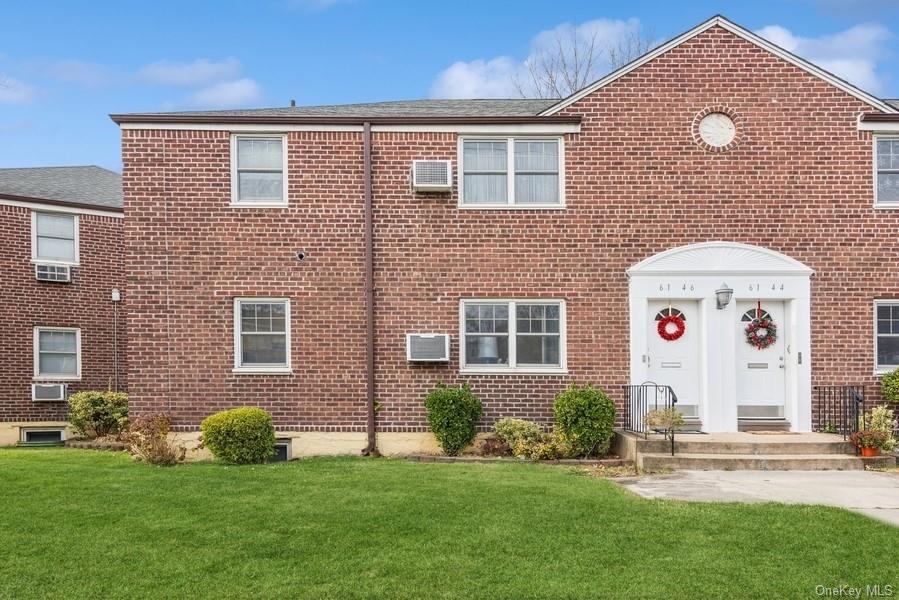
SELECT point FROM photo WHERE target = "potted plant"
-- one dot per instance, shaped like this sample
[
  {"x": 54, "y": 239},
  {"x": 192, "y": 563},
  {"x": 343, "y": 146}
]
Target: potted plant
[
  {"x": 869, "y": 441},
  {"x": 665, "y": 420}
]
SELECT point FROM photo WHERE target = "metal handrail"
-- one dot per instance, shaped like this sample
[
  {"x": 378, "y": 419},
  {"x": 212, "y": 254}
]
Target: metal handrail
[
  {"x": 644, "y": 397},
  {"x": 840, "y": 409}
]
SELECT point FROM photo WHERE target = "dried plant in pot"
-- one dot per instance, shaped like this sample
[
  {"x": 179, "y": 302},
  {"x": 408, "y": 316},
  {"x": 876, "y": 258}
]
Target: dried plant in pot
[{"x": 869, "y": 441}]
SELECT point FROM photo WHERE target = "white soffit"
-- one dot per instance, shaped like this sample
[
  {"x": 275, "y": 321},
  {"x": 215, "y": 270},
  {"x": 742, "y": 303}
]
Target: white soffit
[{"x": 719, "y": 257}]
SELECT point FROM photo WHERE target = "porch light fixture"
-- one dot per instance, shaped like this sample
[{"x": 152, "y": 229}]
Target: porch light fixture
[{"x": 724, "y": 295}]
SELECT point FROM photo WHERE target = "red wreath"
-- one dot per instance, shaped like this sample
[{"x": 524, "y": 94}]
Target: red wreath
[
  {"x": 761, "y": 333},
  {"x": 679, "y": 327}
]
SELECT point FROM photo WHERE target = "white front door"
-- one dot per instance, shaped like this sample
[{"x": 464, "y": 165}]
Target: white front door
[
  {"x": 675, "y": 362},
  {"x": 761, "y": 372}
]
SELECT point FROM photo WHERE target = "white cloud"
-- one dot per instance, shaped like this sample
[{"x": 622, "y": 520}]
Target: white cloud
[
  {"x": 495, "y": 77},
  {"x": 199, "y": 72},
  {"x": 79, "y": 73},
  {"x": 227, "y": 94},
  {"x": 851, "y": 54},
  {"x": 13, "y": 91}
]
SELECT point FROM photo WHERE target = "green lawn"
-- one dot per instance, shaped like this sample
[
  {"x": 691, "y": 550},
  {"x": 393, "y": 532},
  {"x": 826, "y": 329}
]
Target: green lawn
[{"x": 81, "y": 524}]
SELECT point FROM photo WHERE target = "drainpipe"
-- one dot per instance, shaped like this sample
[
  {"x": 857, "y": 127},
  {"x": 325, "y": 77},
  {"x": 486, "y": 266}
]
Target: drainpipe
[{"x": 371, "y": 447}]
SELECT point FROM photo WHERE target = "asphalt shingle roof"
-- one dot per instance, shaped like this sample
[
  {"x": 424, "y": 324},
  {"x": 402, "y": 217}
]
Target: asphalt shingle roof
[
  {"x": 893, "y": 102},
  {"x": 400, "y": 108},
  {"x": 82, "y": 185}
]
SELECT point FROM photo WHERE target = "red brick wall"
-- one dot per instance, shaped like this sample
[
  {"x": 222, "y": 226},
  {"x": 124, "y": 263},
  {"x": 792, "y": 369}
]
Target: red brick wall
[
  {"x": 85, "y": 303},
  {"x": 798, "y": 182}
]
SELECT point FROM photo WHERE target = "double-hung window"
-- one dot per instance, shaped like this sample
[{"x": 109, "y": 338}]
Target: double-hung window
[
  {"x": 262, "y": 335},
  {"x": 258, "y": 170},
  {"x": 57, "y": 353},
  {"x": 511, "y": 173},
  {"x": 516, "y": 336},
  {"x": 54, "y": 238},
  {"x": 886, "y": 315},
  {"x": 887, "y": 172}
]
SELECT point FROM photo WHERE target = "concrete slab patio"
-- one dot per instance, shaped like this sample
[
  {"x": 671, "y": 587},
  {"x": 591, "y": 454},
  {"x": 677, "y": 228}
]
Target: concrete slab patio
[{"x": 868, "y": 492}]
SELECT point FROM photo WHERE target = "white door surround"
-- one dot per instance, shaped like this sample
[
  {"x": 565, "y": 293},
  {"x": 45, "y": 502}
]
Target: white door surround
[{"x": 694, "y": 273}]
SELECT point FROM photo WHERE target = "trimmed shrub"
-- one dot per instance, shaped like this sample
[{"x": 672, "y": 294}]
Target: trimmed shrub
[
  {"x": 548, "y": 447},
  {"x": 452, "y": 414},
  {"x": 585, "y": 416},
  {"x": 889, "y": 386},
  {"x": 148, "y": 440},
  {"x": 98, "y": 414},
  {"x": 518, "y": 431},
  {"x": 880, "y": 418},
  {"x": 240, "y": 435}
]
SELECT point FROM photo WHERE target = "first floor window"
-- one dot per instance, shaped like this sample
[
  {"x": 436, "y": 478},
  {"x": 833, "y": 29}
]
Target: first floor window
[
  {"x": 887, "y": 315},
  {"x": 258, "y": 164},
  {"x": 55, "y": 238},
  {"x": 57, "y": 353},
  {"x": 262, "y": 334},
  {"x": 514, "y": 335}
]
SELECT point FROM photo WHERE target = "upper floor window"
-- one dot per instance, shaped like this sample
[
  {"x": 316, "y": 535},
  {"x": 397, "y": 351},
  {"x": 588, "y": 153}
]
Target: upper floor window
[
  {"x": 524, "y": 336},
  {"x": 887, "y": 193},
  {"x": 886, "y": 315},
  {"x": 54, "y": 238},
  {"x": 258, "y": 170},
  {"x": 262, "y": 335},
  {"x": 511, "y": 173},
  {"x": 57, "y": 353}
]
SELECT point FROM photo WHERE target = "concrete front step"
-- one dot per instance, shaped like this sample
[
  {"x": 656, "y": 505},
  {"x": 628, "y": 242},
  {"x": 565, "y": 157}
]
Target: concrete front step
[
  {"x": 696, "y": 445},
  {"x": 760, "y": 462}
]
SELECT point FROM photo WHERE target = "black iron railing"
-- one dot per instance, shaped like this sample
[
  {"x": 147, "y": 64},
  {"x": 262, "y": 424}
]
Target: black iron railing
[
  {"x": 640, "y": 399},
  {"x": 839, "y": 408}
]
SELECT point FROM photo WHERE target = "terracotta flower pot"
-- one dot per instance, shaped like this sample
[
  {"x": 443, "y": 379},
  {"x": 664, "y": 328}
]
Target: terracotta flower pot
[{"x": 870, "y": 451}]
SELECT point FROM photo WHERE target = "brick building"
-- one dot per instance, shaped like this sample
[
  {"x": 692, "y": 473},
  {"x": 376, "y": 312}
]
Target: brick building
[
  {"x": 630, "y": 232},
  {"x": 60, "y": 260}
]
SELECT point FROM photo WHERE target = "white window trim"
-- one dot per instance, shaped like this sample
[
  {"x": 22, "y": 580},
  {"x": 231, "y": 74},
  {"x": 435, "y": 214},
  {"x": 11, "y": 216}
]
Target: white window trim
[
  {"x": 513, "y": 367},
  {"x": 37, "y": 355},
  {"x": 877, "y": 204},
  {"x": 61, "y": 263},
  {"x": 878, "y": 369},
  {"x": 510, "y": 173},
  {"x": 235, "y": 190},
  {"x": 238, "y": 351}
]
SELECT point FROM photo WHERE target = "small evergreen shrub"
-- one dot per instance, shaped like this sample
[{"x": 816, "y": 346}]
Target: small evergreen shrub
[
  {"x": 240, "y": 435},
  {"x": 452, "y": 414},
  {"x": 889, "y": 386},
  {"x": 148, "y": 440},
  {"x": 585, "y": 416},
  {"x": 98, "y": 414},
  {"x": 515, "y": 432}
]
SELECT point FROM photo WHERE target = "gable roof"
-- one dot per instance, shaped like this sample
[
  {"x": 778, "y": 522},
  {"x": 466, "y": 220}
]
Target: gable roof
[
  {"x": 720, "y": 21},
  {"x": 894, "y": 103},
  {"x": 479, "y": 108},
  {"x": 87, "y": 186}
]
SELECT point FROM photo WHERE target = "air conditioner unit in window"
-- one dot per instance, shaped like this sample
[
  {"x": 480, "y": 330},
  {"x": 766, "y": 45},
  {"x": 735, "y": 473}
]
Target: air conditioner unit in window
[
  {"x": 432, "y": 175},
  {"x": 48, "y": 391},
  {"x": 427, "y": 347},
  {"x": 54, "y": 273}
]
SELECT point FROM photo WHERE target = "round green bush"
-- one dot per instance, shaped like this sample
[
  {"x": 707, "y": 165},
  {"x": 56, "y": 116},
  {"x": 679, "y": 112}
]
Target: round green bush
[
  {"x": 585, "y": 416},
  {"x": 98, "y": 414},
  {"x": 452, "y": 414},
  {"x": 889, "y": 386},
  {"x": 240, "y": 435}
]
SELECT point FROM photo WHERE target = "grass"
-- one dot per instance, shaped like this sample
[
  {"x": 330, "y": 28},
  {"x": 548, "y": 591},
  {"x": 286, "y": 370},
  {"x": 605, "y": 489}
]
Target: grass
[{"x": 97, "y": 525}]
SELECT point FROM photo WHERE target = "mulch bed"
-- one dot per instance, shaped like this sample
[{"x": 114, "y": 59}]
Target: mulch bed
[
  {"x": 601, "y": 462},
  {"x": 108, "y": 445}
]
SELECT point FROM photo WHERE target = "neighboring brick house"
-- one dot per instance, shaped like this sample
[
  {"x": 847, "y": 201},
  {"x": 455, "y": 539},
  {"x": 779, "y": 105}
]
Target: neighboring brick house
[
  {"x": 718, "y": 165},
  {"x": 60, "y": 260}
]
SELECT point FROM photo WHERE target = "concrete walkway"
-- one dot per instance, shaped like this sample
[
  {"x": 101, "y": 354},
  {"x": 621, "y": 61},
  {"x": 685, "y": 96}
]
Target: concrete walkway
[{"x": 867, "y": 492}]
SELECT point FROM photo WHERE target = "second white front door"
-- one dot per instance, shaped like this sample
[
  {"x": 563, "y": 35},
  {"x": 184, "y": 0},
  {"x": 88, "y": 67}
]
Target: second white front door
[{"x": 761, "y": 371}]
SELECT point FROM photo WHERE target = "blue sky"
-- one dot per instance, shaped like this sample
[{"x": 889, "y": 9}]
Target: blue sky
[{"x": 64, "y": 66}]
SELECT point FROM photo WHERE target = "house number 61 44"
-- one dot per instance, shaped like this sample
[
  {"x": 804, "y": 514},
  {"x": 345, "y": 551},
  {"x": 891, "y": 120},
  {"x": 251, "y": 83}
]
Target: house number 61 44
[{"x": 756, "y": 287}]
